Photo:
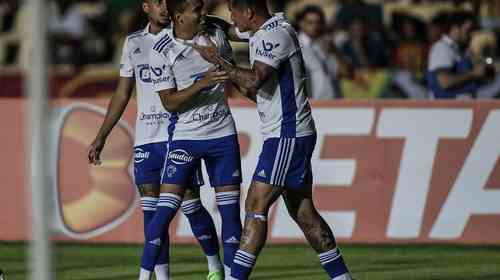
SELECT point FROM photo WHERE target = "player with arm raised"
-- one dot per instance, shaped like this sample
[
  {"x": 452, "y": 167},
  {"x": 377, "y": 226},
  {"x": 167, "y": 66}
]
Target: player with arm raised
[
  {"x": 201, "y": 127},
  {"x": 277, "y": 82},
  {"x": 150, "y": 144}
]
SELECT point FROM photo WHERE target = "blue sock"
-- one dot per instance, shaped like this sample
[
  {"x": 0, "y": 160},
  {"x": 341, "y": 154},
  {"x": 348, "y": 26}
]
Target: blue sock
[
  {"x": 334, "y": 265},
  {"x": 229, "y": 208},
  {"x": 242, "y": 265},
  {"x": 202, "y": 225},
  {"x": 148, "y": 205},
  {"x": 157, "y": 233}
]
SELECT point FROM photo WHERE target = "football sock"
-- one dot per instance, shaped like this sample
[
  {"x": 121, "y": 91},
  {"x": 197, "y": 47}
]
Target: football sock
[
  {"x": 334, "y": 265},
  {"x": 203, "y": 228},
  {"x": 229, "y": 208},
  {"x": 148, "y": 205},
  {"x": 157, "y": 233},
  {"x": 242, "y": 265}
]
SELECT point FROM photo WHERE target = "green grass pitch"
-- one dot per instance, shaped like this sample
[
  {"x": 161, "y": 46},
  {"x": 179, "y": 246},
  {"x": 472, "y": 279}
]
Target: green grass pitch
[{"x": 367, "y": 262}]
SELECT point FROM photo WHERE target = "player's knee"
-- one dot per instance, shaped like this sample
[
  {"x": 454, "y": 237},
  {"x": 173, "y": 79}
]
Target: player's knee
[{"x": 306, "y": 217}]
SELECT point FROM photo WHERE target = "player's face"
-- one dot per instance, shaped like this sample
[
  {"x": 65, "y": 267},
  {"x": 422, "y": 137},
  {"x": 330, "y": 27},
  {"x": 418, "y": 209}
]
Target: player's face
[
  {"x": 192, "y": 15},
  {"x": 311, "y": 25},
  {"x": 240, "y": 17},
  {"x": 157, "y": 12}
]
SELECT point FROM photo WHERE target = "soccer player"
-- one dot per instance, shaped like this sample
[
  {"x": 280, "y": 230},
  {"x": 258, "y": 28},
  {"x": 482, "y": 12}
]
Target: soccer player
[
  {"x": 201, "y": 127},
  {"x": 150, "y": 145},
  {"x": 276, "y": 81}
]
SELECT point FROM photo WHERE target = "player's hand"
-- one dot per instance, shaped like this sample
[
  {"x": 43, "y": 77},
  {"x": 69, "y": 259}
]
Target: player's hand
[
  {"x": 213, "y": 77},
  {"x": 208, "y": 52},
  {"x": 94, "y": 151}
]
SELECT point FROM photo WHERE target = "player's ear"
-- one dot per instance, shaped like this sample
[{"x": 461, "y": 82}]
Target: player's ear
[
  {"x": 177, "y": 17},
  {"x": 145, "y": 6}
]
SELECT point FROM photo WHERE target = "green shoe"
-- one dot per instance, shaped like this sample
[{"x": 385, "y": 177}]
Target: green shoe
[{"x": 215, "y": 275}]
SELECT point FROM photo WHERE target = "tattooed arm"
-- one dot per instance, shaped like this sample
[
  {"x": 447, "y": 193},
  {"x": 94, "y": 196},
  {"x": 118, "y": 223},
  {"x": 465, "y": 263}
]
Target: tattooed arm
[
  {"x": 173, "y": 100},
  {"x": 248, "y": 80}
]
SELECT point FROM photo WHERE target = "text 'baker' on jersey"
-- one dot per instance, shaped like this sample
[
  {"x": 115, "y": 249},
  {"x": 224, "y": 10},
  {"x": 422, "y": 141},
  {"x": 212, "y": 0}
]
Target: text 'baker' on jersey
[
  {"x": 152, "y": 119},
  {"x": 175, "y": 64},
  {"x": 282, "y": 101}
]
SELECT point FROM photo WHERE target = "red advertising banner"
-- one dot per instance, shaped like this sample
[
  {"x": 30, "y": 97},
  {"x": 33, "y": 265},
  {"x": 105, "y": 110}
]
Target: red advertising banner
[{"x": 384, "y": 172}]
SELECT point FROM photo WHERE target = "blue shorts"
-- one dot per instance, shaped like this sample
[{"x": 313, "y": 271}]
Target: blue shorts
[
  {"x": 286, "y": 162},
  {"x": 221, "y": 157},
  {"x": 148, "y": 165}
]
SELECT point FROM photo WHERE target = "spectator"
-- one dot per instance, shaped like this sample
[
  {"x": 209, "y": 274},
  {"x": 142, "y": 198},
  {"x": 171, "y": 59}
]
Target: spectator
[
  {"x": 67, "y": 27},
  {"x": 364, "y": 49},
  {"x": 451, "y": 73},
  {"x": 321, "y": 64}
]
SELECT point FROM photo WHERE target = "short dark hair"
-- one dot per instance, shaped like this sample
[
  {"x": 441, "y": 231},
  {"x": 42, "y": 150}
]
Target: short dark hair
[
  {"x": 175, "y": 6},
  {"x": 258, "y": 5},
  {"x": 311, "y": 9},
  {"x": 458, "y": 18}
]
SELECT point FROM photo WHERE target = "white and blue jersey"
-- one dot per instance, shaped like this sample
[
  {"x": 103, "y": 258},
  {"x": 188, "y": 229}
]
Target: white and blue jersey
[
  {"x": 445, "y": 55},
  {"x": 204, "y": 128},
  {"x": 281, "y": 101},
  {"x": 152, "y": 120},
  {"x": 286, "y": 120},
  {"x": 177, "y": 65}
]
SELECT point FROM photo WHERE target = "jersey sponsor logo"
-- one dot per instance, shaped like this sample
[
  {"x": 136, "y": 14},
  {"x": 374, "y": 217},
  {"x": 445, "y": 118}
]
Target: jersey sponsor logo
[
  {"x": 268, "y": 46},
  {"x": 158, "y": 71},
  {"x": 267, "y": 50},
  {"x": 153, "y": 116},
  {"x": 144, "y": 73},
  {"x": 180, "y": 156},
  {"x": 213, "y": 116},
  {"x": 140, "y": 155}
]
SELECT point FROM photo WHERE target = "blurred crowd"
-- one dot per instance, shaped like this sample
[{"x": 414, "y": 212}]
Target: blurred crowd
[{"x": 346, "y": 43}]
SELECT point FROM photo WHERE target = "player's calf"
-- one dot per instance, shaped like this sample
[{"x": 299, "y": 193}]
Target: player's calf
[
  {"x": 157, "y": 233},
  {"x": 203, "y": 228},
  {"x": 228, "y": 203},
  {"x": 317, "y": 233}
]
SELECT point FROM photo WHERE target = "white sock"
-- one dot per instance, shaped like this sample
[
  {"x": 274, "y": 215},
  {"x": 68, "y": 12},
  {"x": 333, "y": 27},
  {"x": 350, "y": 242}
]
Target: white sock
[
  {"x": 162, "y": 272},
  {"x": 144, "y": 274},
  {"x": 227, "y": 272},
  {"x": 214, "y": 263},
  {"x": 345, "y": 276}
]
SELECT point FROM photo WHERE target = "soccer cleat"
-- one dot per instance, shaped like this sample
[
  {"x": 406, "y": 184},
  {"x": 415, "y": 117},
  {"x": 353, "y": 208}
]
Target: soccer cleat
[{"x": 215, "y": 275}]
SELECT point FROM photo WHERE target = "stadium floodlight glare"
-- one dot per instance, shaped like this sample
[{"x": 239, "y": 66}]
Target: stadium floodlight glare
[{"x": 37, "y": 142}]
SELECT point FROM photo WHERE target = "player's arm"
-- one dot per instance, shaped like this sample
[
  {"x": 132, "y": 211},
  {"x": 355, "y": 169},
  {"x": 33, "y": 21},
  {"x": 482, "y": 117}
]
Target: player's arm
[
  {"x": 115, "y": 110},
  {"x": 248, "y": 80},
  {"x": 116, "y": 106},
  {"x": 174, "y": 100}
]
